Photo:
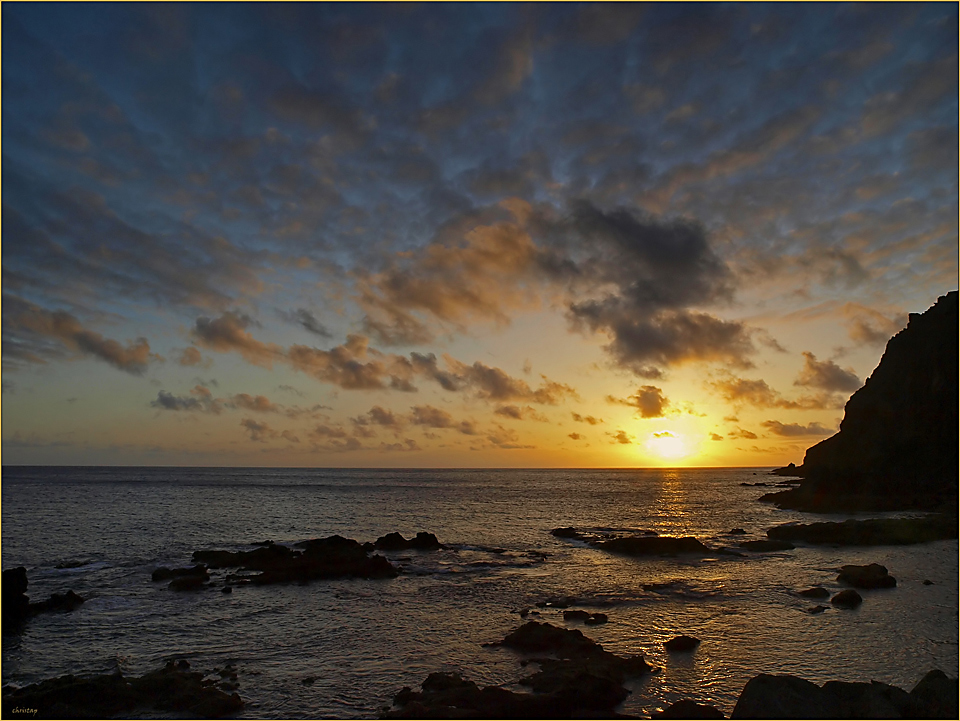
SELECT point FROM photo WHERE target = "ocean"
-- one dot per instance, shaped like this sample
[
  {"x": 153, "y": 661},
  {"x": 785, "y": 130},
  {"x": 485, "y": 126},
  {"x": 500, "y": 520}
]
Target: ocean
[{"x": 360, "y": 640}]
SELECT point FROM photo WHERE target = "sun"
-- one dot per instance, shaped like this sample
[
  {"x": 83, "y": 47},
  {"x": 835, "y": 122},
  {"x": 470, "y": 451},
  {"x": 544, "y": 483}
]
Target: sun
[{"x": 668, "y": 445}]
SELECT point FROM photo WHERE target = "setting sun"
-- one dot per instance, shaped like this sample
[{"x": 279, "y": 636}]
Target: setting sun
[{"x": 668, "y": 445}]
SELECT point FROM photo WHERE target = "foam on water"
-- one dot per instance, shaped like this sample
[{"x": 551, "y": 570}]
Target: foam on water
[{"x": 364, "y": 639}]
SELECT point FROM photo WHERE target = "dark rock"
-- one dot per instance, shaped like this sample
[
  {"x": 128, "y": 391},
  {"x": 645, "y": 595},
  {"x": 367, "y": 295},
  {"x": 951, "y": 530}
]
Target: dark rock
[
  {"x": 226, "y": 589},
  {"x": 63, "y": 602},
  {"x": 871, "y": 576},
  {"x": 165, "y": 574},
  {"x": 654, "y": 546},
  {"x": 170, "y": 689},
  {"x": 15, "y": 602},
  {"x": 309, "y": 680},
  {"x": 545, "y": 638},
  {"x": 762, "y": 546},
  {"x": 524, "y": 612},
  {"x": 815, "y": 592},
  {"x": 595, "y": 619},
  {"x": 576, "y": 615},
  {"x": 814, "y": 610},
  {"x": 735, "y": 532},
  {"x": 871, "y": 531},
  {"x": 567, "y": 532},
  {"x": 935, "y": 696},
  {"x": 897, "y": 444},
  {"x": 682, "y": 643},
  {"x": 847, "y": 599},
  {"x": 872, "y": 700},
  {"x": 927, "y": 582},
  {"x": 557, "y": 602},
  {"x": 187, "y": 583},
  {"x": 331, "y": 557},
  {"x": 395, "y": 542},
  {"x": 781, "y": 697},
  {"x": 689, "y": 710},
  {"x": 791, "y": 469}
]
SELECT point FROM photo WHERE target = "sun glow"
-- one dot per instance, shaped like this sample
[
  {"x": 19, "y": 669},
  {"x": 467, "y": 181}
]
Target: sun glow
[{"x": 668, "y": 445}]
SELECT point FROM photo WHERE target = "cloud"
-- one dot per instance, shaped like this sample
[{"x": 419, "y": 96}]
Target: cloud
[
  {"x": 258, "y": 432},
  {"x": 408, "y": 445},
  {"x": 432, "y": 417},
  {"x": 325, "y": 431},
  {"x": 506, "y": 439},
  {"x": 795, "y": 429},
  {"x": 826, "y": 375},
  {"x": 574, "y": 436},
  {"x": 589, "y": 419},
  {"x": 228, "y": 333},
  {"x": 353, "y": 366},
  {"x": 290, "y": 436},
  {"x": 306, "y": 320},
  {"x": 35, "y": 323},
  {"x": 200, "y": 400},
  {"x": 192, "y": 357},
  {"x": 491, "y": 383},
  {"x": 258, "y": 404},
  {"x": 621, "y": 436},
  {"x": 378, "y": 416},
  {"x": 648, "y": 400},
  {"x": 715, "y": 437},
  {"x": 756, "y": 392},
  {"x": 520, "y": 414},
  {"x": 742, "y": 433}
]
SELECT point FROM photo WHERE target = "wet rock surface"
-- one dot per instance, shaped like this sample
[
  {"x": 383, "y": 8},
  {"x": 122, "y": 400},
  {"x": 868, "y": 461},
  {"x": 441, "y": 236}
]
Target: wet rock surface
[
  {"x": 395, "y": 542},
  {"x": 173, "y": 688},
  {"x": 847, "y": 599},
  {"x": 870, "y": 576},
  {"x": 789, "y": 697},
  {"x": 319, "y": 558},
  {"x": 645, "y": 543},
  {"x": 682, "y": 643},
  {"x": 689, "y": 710},
  {"x": 871, "y": 531},
  {"x": 815, "y": 592},
  {"x": 17, "y": 609}
]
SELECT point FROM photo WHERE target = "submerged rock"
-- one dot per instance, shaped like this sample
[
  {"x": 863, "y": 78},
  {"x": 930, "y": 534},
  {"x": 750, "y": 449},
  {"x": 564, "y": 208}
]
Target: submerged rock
[
  {"x": 395, "y": 542},
  {"x": 682, "y": 643},
  {"x": 762, "y": 546},
  {"x": 16, "y": 603},
  {"x": 331, "y": 557},
  {"x": 814, "y": 610},
  {"x": 871, "y": 531},
  {"x": 64, "y": 602},
  {"x": 847, "y": 599},
  {"x": 172, "y": 688},
  {"x": 591, "y": 619},
  {"x": 871, "y": 576},
  {"x": 815, "y": 592},
  {"x": 164, "y": 574}
]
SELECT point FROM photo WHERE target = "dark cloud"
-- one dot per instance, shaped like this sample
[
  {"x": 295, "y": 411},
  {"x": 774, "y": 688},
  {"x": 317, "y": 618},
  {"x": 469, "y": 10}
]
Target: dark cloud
[
  {"x": 258, "y": 432},
  {"x": 795, "y": 429},
  {"x": 589, "y": 419},
  {"x": 715, "y": 437},
  {"x": 742, "y": 433},
  {"x": 826, "y": 375},
  {"x": 491, "y": 383},
  {"x": 306, "y": 320},
  {"x": 258, "y": 404},
  {"x": 621, "y": 436},
  {"x": 200, "y": 400},
  {"x": 756, "y": 392},
  {"x": 506, "y": 439},
  {"x": 432, "y": 417},
  {"x": 25, "y": 323},
  {"x": 378, "y": 416},
  {"x": 228, "y": 333},
  {"x": 408, "y": 445},
  {"x": 574, "y": 436},
  {"x": 648, "y": 400},
  {"x": 520, "y": 414},
  {"x": 191, "y": 357}
]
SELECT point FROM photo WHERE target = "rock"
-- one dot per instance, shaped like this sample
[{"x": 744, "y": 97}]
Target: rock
[
  {"x": 682, "y": 643},
  {"x": 689, "y": 710},
  {"x": 871, "y": 576},
  {"x": 15, "y": 602},
  {"x": 576, "y": 615},
  {"x": 165, "y": 574},
  {"x": 567, "y": 532},
  {"x": 331, "y": 557},
  {"x": 815, "y": 592},
  {"x": 813, "y": 610},
  {"x": 935, "y": 696},
  {"x": 762, "y": 546},
  {"x": 781, "y": 697},
  {"x": 654, "y": 546},
  {"x": 395, "y": 542},
  {"x": 595, "y": 619},
  {"x": 871, "y": 531},
  {"x": 897, "y": 444},
  {"x": 735, "y": 532},
  {"x": 847, "y": 599},
  {"x": 64, "y": 603},
  {"x": 558, "y": 602},
  {"x": 524, "y": 612},
  {"x": 545, "y": 638},
  {"x": 791, "y": 469},
  {"x": 226, "y": 589},
  {"x": 310, "y": 680},
  {"x": 170, "y": 689},
  {"x": 927, "y": 582},
  {"x": 872, "y": 700}
]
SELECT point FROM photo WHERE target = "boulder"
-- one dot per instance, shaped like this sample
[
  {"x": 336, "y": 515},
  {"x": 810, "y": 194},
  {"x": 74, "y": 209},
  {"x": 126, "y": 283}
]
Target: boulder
[
  {"x": 395, "y": 542},
  {"x": 15, "y": 602},
  {"x": 63, "y": 602},
  {"x": 847, "y": 599},
  {"x": 576, "y": 615},
  {"x": 654, "y": 546},
  {"x": 871, "y": 576},
  {"x": 595, "y": 619},
  {"x": 814, "y": 610},
  {"x": 187, "y": 583},
  {"x": 682, "y": 643},
  {"x": 871, "y": 531},
  {"x": 535, "y": 637},
  {"x": 165, "y": 574},
  {"x": 689, "y": 710},
  {"x": 781, "y": 697},
  {"x": 736, "y": 532},
  {"x": 815, "y": 592},
  {"x": 872, "y": 700},
  {"x": 935, "y": 696}
]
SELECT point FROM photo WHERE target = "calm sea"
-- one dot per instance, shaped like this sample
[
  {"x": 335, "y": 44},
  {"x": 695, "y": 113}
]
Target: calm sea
[{"x": 363, "y": 640}]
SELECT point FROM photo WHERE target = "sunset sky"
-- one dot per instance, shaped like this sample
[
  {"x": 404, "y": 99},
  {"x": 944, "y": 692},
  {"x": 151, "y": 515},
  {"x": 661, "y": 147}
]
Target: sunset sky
[{"x": 464, "y": 235}]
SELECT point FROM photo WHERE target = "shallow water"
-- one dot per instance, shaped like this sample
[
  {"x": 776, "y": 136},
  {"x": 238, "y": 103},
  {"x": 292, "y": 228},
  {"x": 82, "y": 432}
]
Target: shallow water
[{"x": 365, "y": 639}]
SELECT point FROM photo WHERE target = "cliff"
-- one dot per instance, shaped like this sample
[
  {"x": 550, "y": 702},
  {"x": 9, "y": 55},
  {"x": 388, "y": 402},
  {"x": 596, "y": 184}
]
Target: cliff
[{"x": 898, "y": 442}]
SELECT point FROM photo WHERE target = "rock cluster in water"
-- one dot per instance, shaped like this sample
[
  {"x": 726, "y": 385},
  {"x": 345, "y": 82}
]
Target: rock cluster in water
[
  {"x": 173, "y": 688},
  {"x": 646, "y": 544},
  {"x": 897, "y": 444},
  {"x": 870, "y": 531},
  {"x": 17, "y": 608},
  {"x": 579, "y": 680}
]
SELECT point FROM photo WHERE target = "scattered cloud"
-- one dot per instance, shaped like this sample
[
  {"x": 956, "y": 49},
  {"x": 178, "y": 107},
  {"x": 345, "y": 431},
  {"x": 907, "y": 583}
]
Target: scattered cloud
[
  {"x": 826, "y": 375},
  {"x": 648, "y": 400},
  {"x": 306, "y": 320},
  {"x": 200, "y": 400},
  {"x": 742, "y": 433},
  {"x": 621, "y": 436},
  {"x": 795, "y": 429},
  {"x": 588, "y": 419}
]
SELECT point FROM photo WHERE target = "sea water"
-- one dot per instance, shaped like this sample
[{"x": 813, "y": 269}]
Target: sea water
[{"x": 361, "y": 640}]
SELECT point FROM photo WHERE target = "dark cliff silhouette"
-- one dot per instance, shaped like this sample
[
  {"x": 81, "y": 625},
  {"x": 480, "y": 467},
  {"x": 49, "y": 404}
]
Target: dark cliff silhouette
[{"x": 897, "y": 445}]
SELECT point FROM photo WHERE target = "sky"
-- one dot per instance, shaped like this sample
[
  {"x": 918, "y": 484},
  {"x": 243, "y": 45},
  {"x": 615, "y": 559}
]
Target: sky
[{"x": 464, "y": 235}]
